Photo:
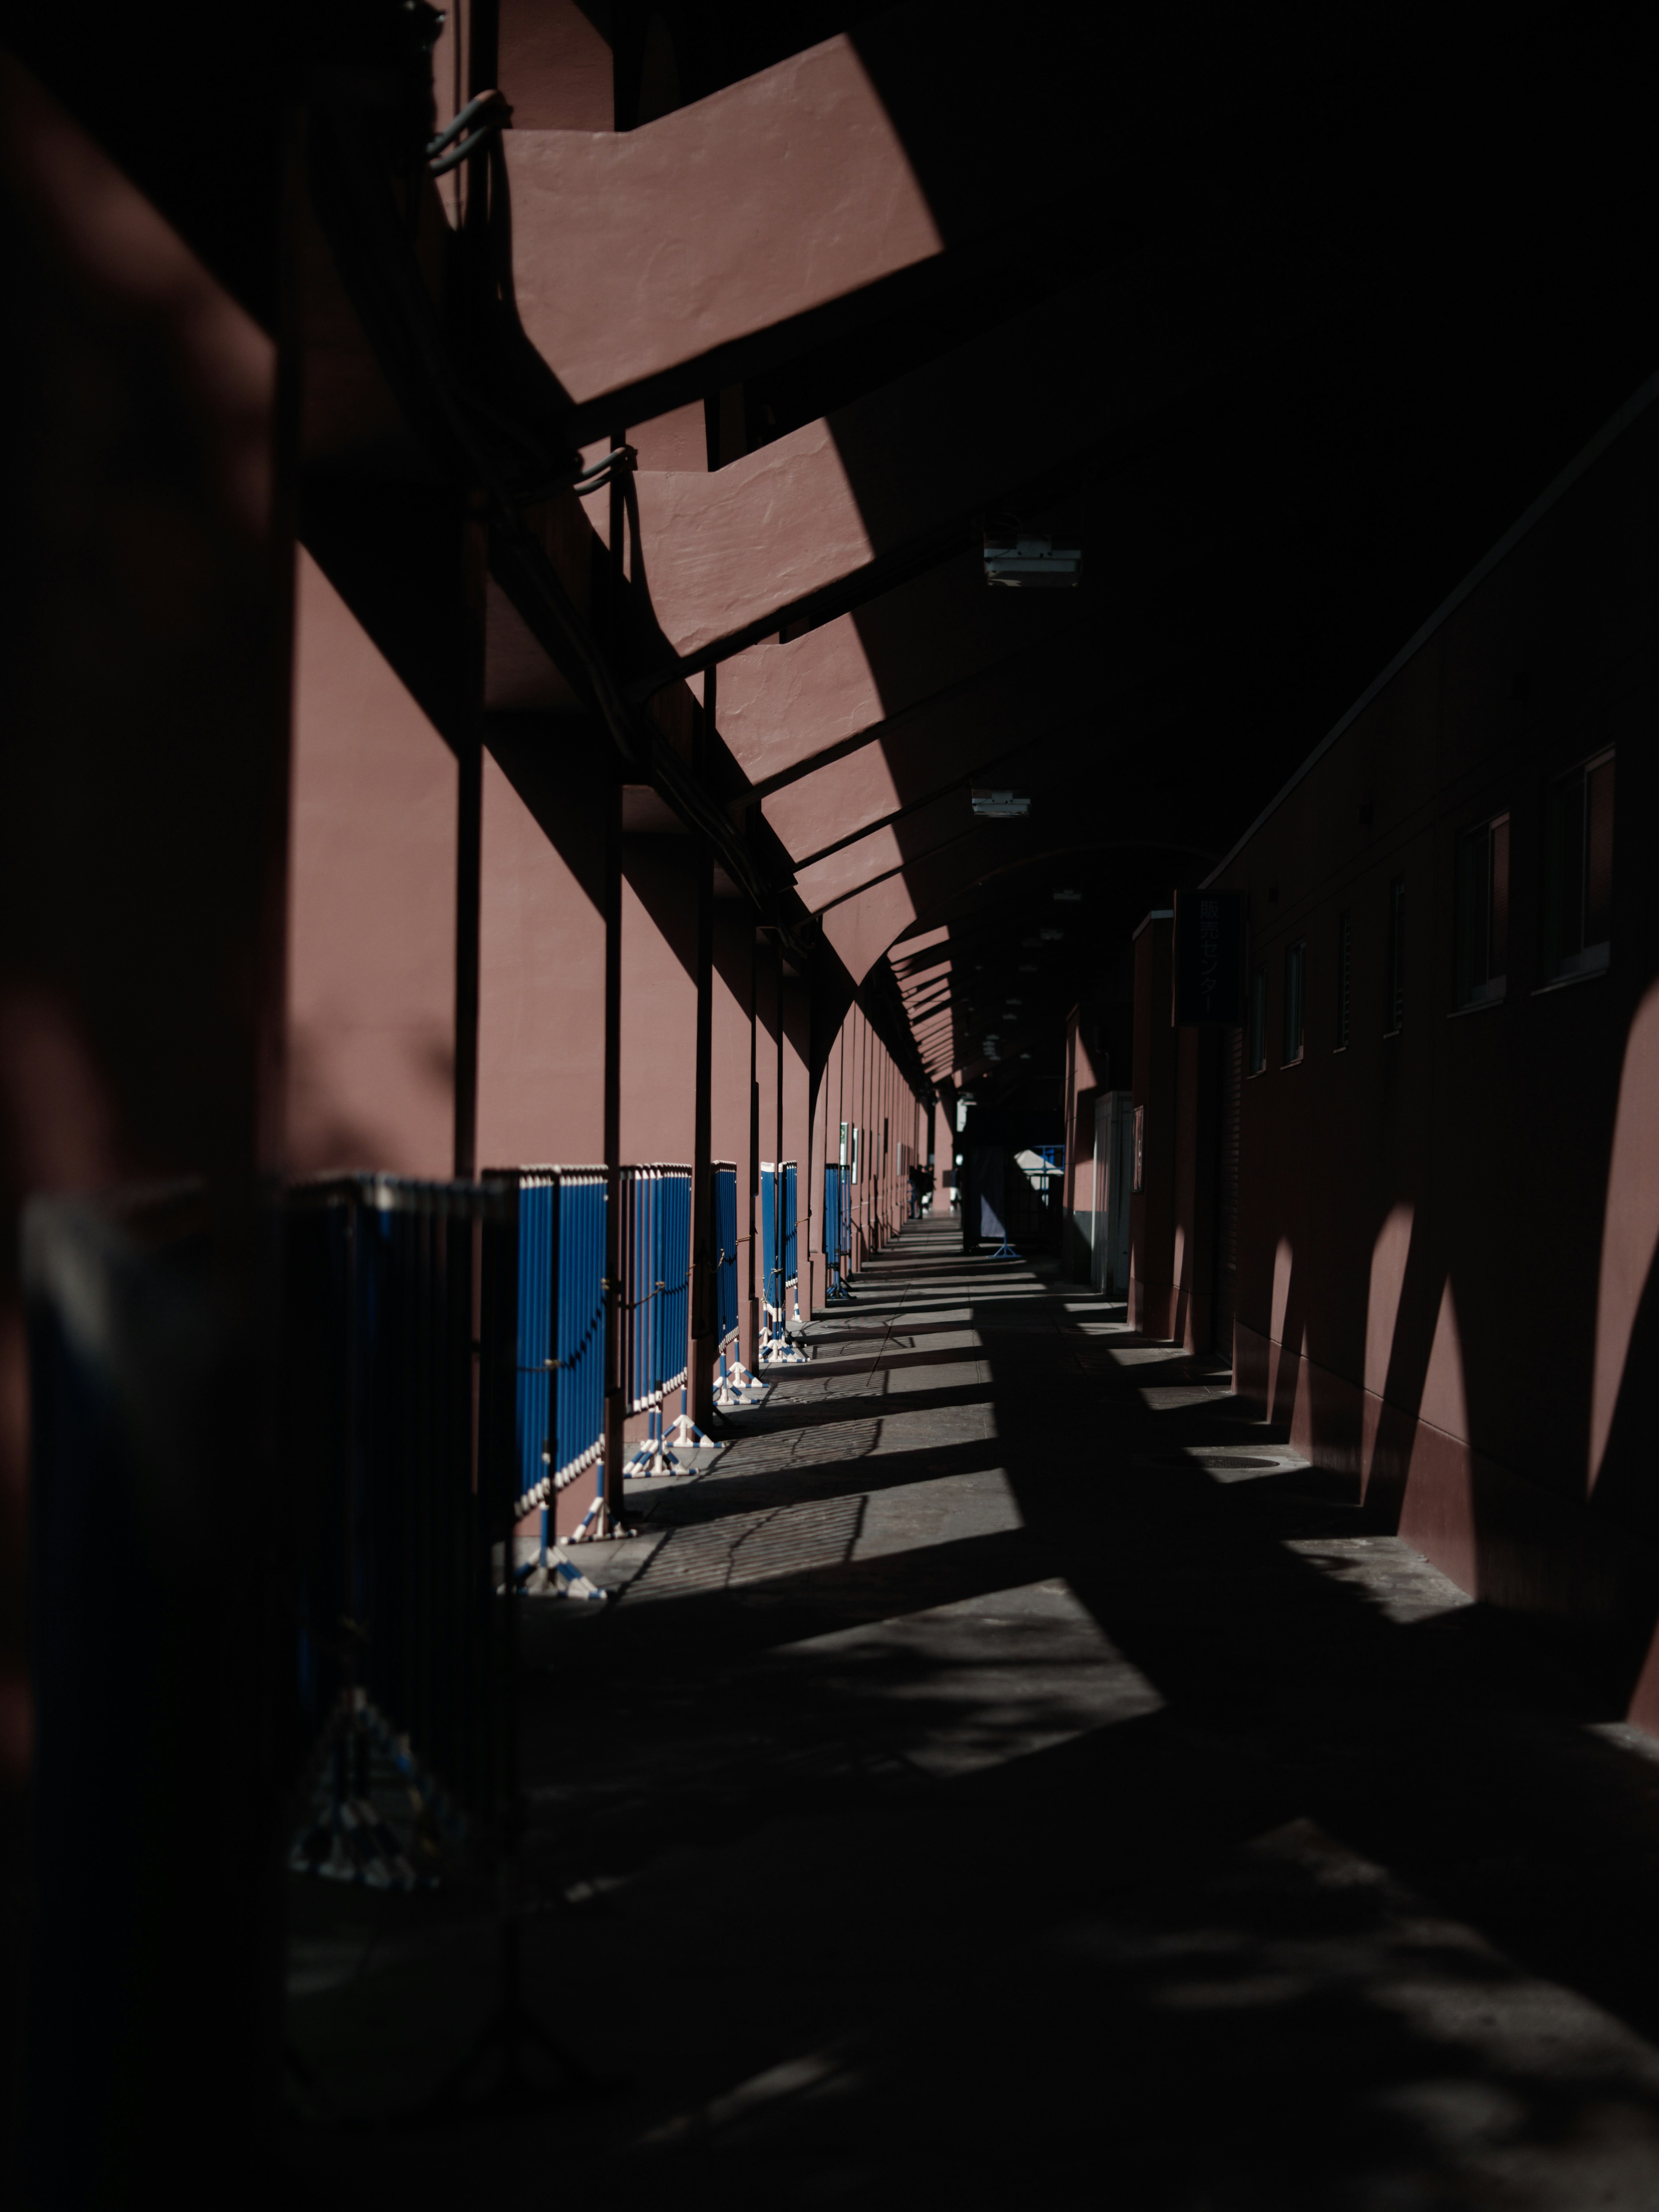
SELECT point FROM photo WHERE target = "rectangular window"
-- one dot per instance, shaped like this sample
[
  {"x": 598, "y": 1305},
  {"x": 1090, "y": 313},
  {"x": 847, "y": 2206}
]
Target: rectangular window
[
  {"x": 1344, "y": 963},
  {"x": 1258, "y": 1021},
  {"x": 1578, "y": 871},
  {"x": 1481, "y": 935},
  {"x": 1296, "y": 961},
  {"x": 1394, "y": 1011}
]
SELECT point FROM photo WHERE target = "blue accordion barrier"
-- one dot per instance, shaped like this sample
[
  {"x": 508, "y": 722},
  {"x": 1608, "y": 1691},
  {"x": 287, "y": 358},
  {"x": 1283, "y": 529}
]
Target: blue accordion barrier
[
  {"x": 656, "y": 1307},
  {"x": 409, "y": 1306},
  {"x": 779, "y": 1211},
  {"x": 792, "y": 1233},
  {"x": 735, "y": 1385},
  {"x": 544, "y": 1323},
  {"x": 771, "y": 1258},
  {"x": 726, "y": 1253},
  {"x": 837, "y": 1231},
  {"x": 402, "y": 1659}
]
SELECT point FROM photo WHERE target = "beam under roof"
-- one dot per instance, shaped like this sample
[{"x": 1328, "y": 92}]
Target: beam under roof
[
  {"x": 655, "y": 265},
  {"x": 836, "y": 512}
]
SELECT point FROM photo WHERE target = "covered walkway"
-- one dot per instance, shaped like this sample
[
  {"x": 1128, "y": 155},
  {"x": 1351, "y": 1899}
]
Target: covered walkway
[
  {"x": 1010, "y": 1759},
  {"x": 644, "y": 638}
]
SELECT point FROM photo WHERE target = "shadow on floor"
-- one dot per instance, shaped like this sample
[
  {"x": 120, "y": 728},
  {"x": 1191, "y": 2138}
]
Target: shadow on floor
[{"x": 1048, "y": 1785}]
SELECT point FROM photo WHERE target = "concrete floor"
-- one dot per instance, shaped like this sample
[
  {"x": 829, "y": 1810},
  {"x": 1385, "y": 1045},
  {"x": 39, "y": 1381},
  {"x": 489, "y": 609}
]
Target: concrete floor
[{"x": 1009, "y": 1774}]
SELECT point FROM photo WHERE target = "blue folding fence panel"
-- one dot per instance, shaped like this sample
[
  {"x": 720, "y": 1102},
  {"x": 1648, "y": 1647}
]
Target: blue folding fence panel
[
  {"x": 639, "y": 1296},
  {"x": 726, "y": 1251},
  {"x": 771, "y": 1283},
  {"x": 579, "y": 1323},
  {"x": 832, "y": 1228},
  {"x": 657, "y": 1281},
  {"x": 533, "y": 1347},
  {"x": 673, "y": 1275},
  {"x": 779, "y": 1237},
  {"x": 393, "y": 1528},
  {"x": 837, "y": 1227},
  {"x": 545, "y": 1325}
]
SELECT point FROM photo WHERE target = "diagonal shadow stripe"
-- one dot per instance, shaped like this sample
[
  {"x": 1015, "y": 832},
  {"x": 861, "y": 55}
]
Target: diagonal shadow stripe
[
  {"x": 793, "y": 1479},
  {"x": 783, "y": 1418},
  {"x": 888, "y": 1362},
  {"x": 822, "y": 1336},
  {"x": 709, "y": 1628}
]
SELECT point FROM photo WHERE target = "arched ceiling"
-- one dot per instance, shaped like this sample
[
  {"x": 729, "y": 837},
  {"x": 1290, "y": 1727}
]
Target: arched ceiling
[{"x": 1278, "y": 320}]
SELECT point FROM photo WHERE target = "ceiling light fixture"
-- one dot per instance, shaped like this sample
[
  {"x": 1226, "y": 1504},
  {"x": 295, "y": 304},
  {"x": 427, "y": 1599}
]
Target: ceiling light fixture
[{"x": 1032, "y": 562}]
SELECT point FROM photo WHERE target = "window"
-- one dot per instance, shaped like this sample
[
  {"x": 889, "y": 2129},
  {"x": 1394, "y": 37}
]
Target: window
[
  {"x": 1296, "y": 961},
  {"x": 1258, "y": 1021},
  {"x": 1578, "y": 871},
  {"x": 1394, "y": 1011},
  {"x": 1482, "y": 934},
  {"x": 1344, "y": 962}
]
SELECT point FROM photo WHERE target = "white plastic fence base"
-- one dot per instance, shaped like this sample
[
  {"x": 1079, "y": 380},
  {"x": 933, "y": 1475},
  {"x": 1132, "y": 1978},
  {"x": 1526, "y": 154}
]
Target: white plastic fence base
[
  {"x": 735, "y": 1385},
  {"x": 778, "y": 1352},
  {"x": 348, "y": 1837},
  {"x": 651, "y": 1461},
  {"x": 654, "y": 1457},
  {"x": 568, "y": 1578},
  {"x": 595, "y": 1523},
  {"x": 686, "y": 1435},
  {"x": 350, "y": 1842}
]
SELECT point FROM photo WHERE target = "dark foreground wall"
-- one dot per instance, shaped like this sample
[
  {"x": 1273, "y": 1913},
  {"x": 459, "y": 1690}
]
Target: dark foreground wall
[
  {"x": 144, "y": 779},
  {"x": 1447, "y": 1216}
]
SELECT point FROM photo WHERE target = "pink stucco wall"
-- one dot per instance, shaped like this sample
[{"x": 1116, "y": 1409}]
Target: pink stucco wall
[{"x": 371, "y": 943}]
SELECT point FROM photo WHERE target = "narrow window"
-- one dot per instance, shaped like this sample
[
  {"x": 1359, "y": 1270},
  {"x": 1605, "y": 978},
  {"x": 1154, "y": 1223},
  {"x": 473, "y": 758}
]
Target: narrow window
[
  {"x": 1578, "y": 871},
  {"x": 1344, "y": 963},
  {"x": 1394, "y": 1013},
  {"x": 1258, "y": 1021},
  {"x": 1482, "y": 934},
  {"x": 1295, "y": 966}
]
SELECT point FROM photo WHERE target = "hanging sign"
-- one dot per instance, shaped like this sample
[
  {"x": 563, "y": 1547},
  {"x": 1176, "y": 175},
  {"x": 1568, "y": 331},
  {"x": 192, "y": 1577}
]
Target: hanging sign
[{"x": 1209, "y": 957}]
